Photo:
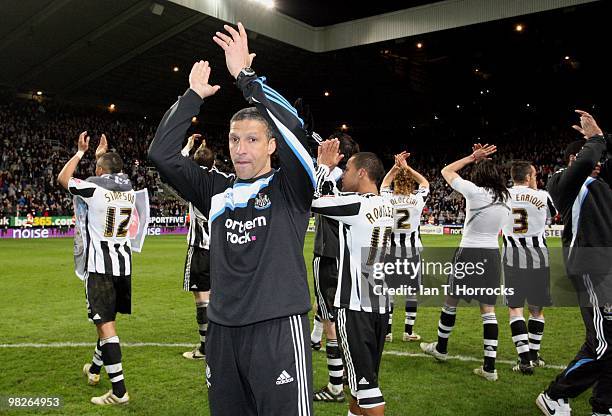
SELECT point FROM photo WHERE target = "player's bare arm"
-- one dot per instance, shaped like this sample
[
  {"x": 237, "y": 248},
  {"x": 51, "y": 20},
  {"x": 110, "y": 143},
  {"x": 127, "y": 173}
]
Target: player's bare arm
[
  {"x": 449, "y": 172},
  {"x": 70, "y": 166}
]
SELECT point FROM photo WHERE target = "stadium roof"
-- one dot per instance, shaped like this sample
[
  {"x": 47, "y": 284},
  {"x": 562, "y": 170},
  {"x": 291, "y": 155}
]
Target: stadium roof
[
  {"x": 324, "y": 12},
  {"x": 124, "y": 53}
]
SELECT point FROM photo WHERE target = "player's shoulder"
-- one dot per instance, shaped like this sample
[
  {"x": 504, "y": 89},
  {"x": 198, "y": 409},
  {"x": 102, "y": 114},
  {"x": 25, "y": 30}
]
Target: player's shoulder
[
  {"x": 558, "y": 172},
  {"x": 78, "y": 183},
  {"x": 543, "y": 193}
]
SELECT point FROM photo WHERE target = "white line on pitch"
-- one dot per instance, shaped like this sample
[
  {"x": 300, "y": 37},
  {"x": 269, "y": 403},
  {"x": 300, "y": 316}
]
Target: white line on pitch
[
  {"x": 460, "y": 358},
  {"x": 160, "y": 344}
]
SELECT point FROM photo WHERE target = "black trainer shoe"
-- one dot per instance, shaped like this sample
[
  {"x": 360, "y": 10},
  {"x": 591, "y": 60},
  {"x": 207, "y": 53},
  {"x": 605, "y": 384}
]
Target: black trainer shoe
[{"x": 325, "y": 395}]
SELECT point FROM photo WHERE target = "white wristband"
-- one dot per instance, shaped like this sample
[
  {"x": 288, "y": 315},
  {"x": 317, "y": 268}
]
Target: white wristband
[{"x": 80, "y": 154}]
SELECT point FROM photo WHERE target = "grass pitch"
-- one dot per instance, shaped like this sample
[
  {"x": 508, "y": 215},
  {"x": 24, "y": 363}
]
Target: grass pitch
[{"x": 43, "y": 303}]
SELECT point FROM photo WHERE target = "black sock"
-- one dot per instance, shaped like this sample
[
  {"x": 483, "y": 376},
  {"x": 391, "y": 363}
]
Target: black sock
[
  {"x": 518, "y": 328},
  {"x": 448, "y": 316},
  {"x": 536, "y": 331},
  {"x": 96, "y": 362},
  {"x": 411, "y": 313},
  {"x": 111, "y": 355},
  {"x": 490, "y": 333},
  {"x": 334, "y": 362},
  {"x": 202, "y": 319}
]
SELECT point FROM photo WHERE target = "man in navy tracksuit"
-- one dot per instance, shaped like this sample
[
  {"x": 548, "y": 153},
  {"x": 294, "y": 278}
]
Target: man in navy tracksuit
[
  {"x": 258, "y": 343},
  {"x": 583, "y": 196}
]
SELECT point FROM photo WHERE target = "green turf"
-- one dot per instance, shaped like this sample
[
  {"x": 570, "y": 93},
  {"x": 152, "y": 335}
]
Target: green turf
[{"x": 43, "y": 301}]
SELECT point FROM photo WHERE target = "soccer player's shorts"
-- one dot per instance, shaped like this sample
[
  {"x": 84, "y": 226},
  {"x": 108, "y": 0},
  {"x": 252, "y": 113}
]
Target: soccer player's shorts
[
  {"x": 260, "y": 369},
  {"x": 362, "y": 339},
  {"x": 325, "y": 271},
  {"x": 410, "y": 260},
  {"x": 476, "y": 274},
  {"x": 196, "y": 277},
  {"x": 531, "y": 285},
  {"x": 106, "y": 296}
]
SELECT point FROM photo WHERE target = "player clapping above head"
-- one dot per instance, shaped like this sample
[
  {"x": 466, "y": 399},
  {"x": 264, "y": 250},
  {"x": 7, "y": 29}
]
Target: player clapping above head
[
  {"x": 408, "y": 201},
  {"x": 486, "y": 210},
  {"x": 110, "y": 201},
  {"x": 325, "y": 271},
  {"x": 257, "y": 345},
  {"x": 366, "y": 221}
]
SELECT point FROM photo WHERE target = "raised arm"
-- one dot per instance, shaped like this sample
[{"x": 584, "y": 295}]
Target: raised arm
[
  {"x": 295, "y": 161},
  {"x": 182, "y": 173},
  {"x": 328, "y": 174},
  {"x": 449, "y": 172},
  {"x": 402, "y": 159},
  {"x": 190, "y": 143},
  {"x": 390, "y": 176},
  {"x": 68, "y": 170},
  {"x": 565, "y": 185},
  {"x": 343, "y": 207}
]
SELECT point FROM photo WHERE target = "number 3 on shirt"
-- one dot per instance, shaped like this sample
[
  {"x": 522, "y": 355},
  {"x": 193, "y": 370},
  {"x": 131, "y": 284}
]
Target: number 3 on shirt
[
  {"x": 109, "y": 227},
  {"x": 521, "y": 225}
]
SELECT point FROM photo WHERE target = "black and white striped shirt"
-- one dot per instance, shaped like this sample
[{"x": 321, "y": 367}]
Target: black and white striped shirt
[
  {"x": 198, "y": 235},
  {"x": 198, "y": 229},
  {"x": 366, "y": 222},
  {"x": 524, "y": 237},
  {"x": 407, "y": 210},
  {"x": 110, "y": 203}
]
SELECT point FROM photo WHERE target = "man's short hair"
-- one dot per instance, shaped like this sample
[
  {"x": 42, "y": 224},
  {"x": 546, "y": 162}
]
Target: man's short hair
[
  {"x": 204, "y": 157},
  {"x": 252, "y": 113},
  {"x": 372, "y": 164},
  {"x": 348, "y": 147},
  {"x": 110, "y": 162},
  {"x": 572, "y": 149},
  {"x": 519, "y": 169}
]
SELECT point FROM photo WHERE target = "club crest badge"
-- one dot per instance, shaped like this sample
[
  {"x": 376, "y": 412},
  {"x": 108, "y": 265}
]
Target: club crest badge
[
  {"x": 607, "y": 310},
  {"x": 262, "y": 201}
]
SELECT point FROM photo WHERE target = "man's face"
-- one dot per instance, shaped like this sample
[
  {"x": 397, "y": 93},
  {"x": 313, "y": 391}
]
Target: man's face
[
  {"x": 99, "y": 171},
  {"x": 250, "y": 148},
  {"x": 351, "y": 177}
]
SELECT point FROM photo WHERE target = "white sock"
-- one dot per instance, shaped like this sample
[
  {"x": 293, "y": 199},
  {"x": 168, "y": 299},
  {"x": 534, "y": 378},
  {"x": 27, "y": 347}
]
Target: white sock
[
  {"x": 351, "y": 413},
  {"x": 334, "y": 389},
  {"x": 317, "y": 331}
]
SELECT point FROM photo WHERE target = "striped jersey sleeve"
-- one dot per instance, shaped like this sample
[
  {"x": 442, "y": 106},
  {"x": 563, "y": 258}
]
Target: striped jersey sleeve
[
  {"x": 339, "y": 207},
  {"x": 81, "y": 188}
]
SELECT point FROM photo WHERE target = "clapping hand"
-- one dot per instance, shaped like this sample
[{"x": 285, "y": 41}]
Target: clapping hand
[
  {"x": 102, "y": 147},
  {"x": 480, "y": 152},
  {"x": 236, "y": 48},
  {"x": 327, "y": 153},
  {"x": 588, "y": 126},
  {"x": 198, "y": 80}
]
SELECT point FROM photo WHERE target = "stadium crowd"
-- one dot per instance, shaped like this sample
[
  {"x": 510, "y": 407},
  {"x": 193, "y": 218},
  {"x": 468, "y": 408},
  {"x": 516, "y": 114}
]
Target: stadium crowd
[{"x": 36, "y": 137}]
